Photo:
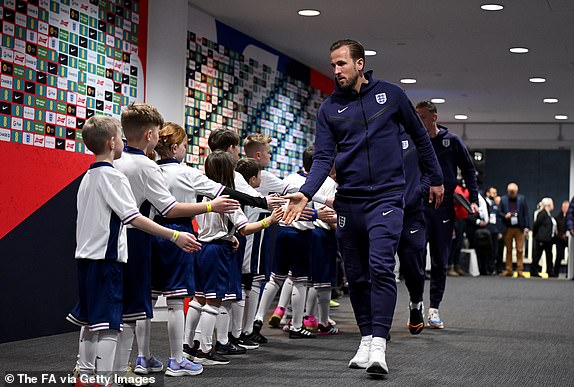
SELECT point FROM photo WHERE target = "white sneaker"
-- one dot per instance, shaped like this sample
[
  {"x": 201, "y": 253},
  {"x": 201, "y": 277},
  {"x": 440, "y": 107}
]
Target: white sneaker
[
  {"x": 377, "y": 364},
  {"x": 434, "y": 319},
  {"x": 361, "y": 358}
]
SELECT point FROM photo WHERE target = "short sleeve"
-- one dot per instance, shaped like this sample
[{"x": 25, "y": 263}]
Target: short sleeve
[
  {"x": 157, "y": 193},
  {"x": 201, "y": 184},
  {"x": 120, "y": 198},
  {"x": 238, "y": 219}
]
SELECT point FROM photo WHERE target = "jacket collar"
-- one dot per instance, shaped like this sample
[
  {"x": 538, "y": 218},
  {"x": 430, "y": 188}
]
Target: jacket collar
[{"x": 352, "y": 93}]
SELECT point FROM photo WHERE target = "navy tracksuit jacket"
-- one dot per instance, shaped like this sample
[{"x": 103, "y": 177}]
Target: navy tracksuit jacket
[{"x": 360, "y": 132}]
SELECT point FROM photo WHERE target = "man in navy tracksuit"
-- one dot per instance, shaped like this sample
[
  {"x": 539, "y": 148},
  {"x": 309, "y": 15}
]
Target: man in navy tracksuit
[
  {"x": 412, "y": 244},
  {"x": 358, "y": 128},
  {"x": 451, "y": 153}
]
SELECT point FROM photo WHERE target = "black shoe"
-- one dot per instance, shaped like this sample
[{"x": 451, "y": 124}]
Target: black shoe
[
  {"x": 301, "y": 333},
  {"x": 210, "y": 358},
  {"x": 190, "y": 352},
  {"x": 416, "y": 320},
  {"x": 229, "y": 349},
  {"x": 257, "y": 325},
  {"x": 243, "y": 341},
  {"x": 256, "y": 337}
]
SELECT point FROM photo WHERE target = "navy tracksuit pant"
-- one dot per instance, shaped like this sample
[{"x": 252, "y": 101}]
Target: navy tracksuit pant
[
  {"x": 412, "y": 253},
  {"x": 440, "y": 223},
  {"x": 368, "y": 232}
]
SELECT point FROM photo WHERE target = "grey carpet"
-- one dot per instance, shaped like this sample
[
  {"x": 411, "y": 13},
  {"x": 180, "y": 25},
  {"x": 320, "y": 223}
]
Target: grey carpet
[{"x": 499, "y": 332}]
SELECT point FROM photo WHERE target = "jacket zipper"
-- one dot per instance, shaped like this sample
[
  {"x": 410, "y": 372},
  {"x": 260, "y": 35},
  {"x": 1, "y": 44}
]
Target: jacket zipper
[{"x": 367, "y": 141}]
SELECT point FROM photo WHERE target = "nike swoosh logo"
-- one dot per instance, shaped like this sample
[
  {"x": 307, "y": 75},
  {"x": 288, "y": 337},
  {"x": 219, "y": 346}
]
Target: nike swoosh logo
[
  {"x": 413, "y": 231},
  {"x": 446, "y": 221},
  {"x": 4, "y": 107},
  {"x": 342, "y": 110},
  {"x": 385, "y": 213}
]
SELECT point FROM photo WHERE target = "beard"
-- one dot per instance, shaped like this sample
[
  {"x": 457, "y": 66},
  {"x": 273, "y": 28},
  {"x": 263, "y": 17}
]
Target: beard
[{"x": 350, "y": 83}]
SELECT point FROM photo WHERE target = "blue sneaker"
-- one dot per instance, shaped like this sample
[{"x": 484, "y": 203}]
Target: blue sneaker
[
  {"x": 183, "y": 368},
  {"x": 434, "y": 319},
  {"x": 145, "y": 366}
]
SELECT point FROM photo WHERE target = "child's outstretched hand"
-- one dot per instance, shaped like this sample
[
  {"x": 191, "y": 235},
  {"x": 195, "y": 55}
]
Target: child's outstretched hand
[
  {"x": 234, "y": 243},
  {"x": 224, "y": 205},
  {"x": 187, "y": 242},
  {"x": 274, "y": 201},
  {"x": 308, "y": 214},
  {"x": 277, "y": 215}
]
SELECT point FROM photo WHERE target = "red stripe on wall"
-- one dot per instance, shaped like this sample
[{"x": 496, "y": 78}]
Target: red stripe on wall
[
  {"x": 31, "y": 176},
  {"x": 322, "y": 82},
  {"x": 142, "y": 39}
]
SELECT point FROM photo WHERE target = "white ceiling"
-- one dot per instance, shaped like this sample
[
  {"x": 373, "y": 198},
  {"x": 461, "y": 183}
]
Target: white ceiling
[{"x": 454, "y": 49}]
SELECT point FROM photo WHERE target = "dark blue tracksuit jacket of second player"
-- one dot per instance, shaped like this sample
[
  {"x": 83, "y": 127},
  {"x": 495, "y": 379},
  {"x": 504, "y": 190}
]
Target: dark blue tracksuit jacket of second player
[
  {"x": 360, "y": 133},
  {"x": 451, "y": 153}
]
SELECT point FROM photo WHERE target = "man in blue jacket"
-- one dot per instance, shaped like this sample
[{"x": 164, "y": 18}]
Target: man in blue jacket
[
  {"x": 514, "y": 210},
  {"x": 358, "y": 128},
  {"x": 452, "y": 154}
]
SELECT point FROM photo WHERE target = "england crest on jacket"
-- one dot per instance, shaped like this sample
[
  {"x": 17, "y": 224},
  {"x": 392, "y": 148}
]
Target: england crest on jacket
[
  {"x": 342, "y": 220},
  {"x": 446, "y": 142},
  {"x": 381, "y": 98}
]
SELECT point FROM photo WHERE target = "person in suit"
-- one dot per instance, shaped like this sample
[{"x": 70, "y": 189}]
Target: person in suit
[
  {"x": 561, "y": 238},
  {"x": 495, "y": 227},
  {"x": 544, "y": 230},
  {"x": 514, "y": 210}
]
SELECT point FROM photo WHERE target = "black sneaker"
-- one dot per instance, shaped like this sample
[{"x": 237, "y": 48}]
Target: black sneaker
[
  {"x": 416, "y": 319},
  {"x": 229, "y": 349},
  {"x": 327, "y": 330},
  {"x": 210, "y": 358},
  {"x": 301, "y": 333},
  {"x": 256, "y": 336},
  {"x": 243, "y": 341},
  {"x": 257, "y": 325},
  {"x": 190, "y": 352}
]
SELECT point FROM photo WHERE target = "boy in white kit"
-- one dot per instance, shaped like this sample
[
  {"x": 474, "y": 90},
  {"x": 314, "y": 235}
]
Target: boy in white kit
[{"x": 105, "y": 204}]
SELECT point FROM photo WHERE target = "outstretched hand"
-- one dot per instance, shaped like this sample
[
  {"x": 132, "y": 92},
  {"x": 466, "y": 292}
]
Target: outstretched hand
[
  {"x": 224, "y": 205},
  {"x": 436, "y": 195},
  {"x": 274, "y": 201},
  {"x": 187, "y": 242},
  {"x": 297, "y": 202}
]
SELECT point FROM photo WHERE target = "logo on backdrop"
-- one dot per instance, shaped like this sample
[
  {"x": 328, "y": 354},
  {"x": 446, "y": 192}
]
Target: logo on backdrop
[
  {"x": 381, "y": 98},
  {"x": 446, "y": 142},
  {"x": 342, "y": 221},
  {"x": 405, "y": 144}
]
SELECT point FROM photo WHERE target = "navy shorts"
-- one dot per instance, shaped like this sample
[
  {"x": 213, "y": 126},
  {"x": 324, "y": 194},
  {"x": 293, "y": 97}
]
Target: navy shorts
[
  {"x": 172, "y": 268},
  {"x": 100, "y": 286},
  {"x": 212, "y": 265},
  {"x": 235, "y": 275},
  {"x": 137, "y": 277},
  {"x": 323, "y": 257},
  {"x": 292, "y": 253}
]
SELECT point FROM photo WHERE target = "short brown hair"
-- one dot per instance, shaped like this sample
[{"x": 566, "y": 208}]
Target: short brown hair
[
  {"x": 254, "y": 142},
  {"x": 219, "y": 167},
  {"x": 222, "y": 139},
  {"x": 431, "y": 107},
  {"x": 97, "y": 131},
  {"x": 308, "y": 157},
  {"x": 248, "y": 168},
  {"x": 137, "y": 119},
  {"x": 356, "y": 49},
  {"x": 170, "y": 134}
]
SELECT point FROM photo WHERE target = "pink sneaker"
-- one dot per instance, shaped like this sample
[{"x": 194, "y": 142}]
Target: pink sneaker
[
  {"x": 275, "y": 319},
  {"x": 310, "y": 323}
]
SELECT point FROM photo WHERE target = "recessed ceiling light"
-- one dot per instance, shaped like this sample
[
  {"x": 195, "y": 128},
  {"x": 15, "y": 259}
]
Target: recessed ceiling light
[
  {"x": 408, "y": 80},
  {"x": 550, "y": 100},
  {"x": 370, "y": 52},
  {"x": 438, "y": 100},
  {"x": 537, "y": 80},
  {"x": 309, "y": 12},
  {"x": 518, "y": 50},
  {"x": 460, "y": 117},
  {"x": 561, "y": 116},
  {"x": 491, "y": 7}
]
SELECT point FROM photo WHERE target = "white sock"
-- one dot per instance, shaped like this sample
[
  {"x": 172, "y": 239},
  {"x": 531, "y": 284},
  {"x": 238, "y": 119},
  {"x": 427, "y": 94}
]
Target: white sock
[
  {"x": 175, "y": 327},
  {"x": 323, "y": 301},
  {"x": 143, "y": 337},
  {"x": 207, "y": 321},
  {"x": 298, "y": 303},
  {"x": 79, "y": 343},
  {"x": 286, "y": 290},
  {"x": 237, "y": 311},
  {"x": 192, "y": 321},
  {"x": 251, "y": 302},
  {"x": 271, "y": 289},
  {"x": 222, "y": 322},
  {"x": 311, "y": 304},
  {"x": 124, "y": 348},
  {"x": 107, "y": 343},
  {"x": 88, "y": 352},
  {"x": 379, "y": 342}
]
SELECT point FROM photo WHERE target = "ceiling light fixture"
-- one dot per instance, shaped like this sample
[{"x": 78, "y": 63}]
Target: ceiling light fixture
[
  {"x": 309, "y": 12},
  {"x": 561, "y": 116},
  {"x": 492, "y": 7},
  {"x": 370, "y": 52},
  {"x": 460, "y": 117},
  {"x": 438, "y": 100},
  {"x": 550, "y": 100},
  {"x": 408, "y": 80},
  {"x": 537, "y": 80},
  {"x": 518, "y": 50}
]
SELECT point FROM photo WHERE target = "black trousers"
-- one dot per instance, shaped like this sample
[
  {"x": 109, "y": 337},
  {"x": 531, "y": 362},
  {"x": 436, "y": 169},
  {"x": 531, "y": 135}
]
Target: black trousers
[
  {"x": 538, "y": 248},
  {"x": 561, "y": 245}
]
